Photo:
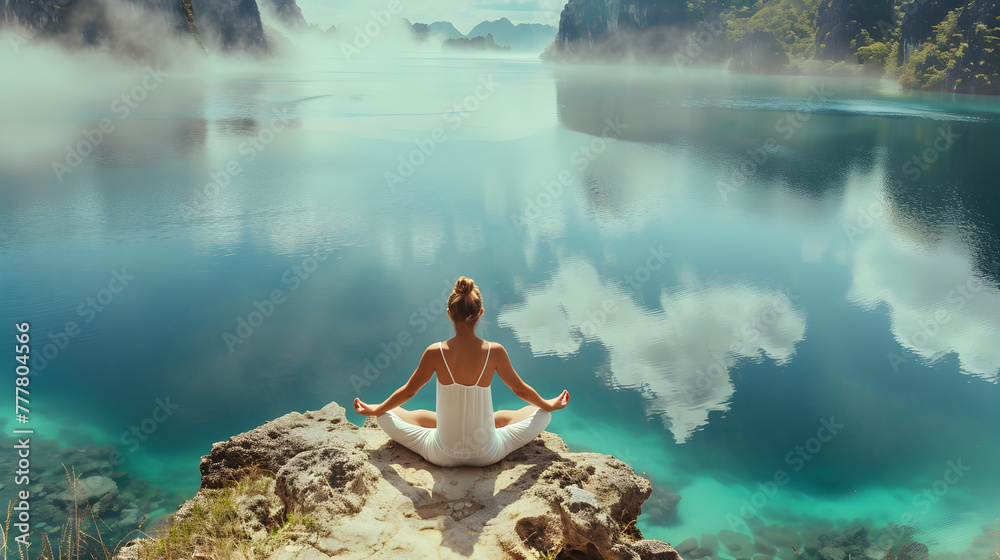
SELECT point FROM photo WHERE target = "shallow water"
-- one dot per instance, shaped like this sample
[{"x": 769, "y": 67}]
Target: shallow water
[{"x": 754, "y": 292}]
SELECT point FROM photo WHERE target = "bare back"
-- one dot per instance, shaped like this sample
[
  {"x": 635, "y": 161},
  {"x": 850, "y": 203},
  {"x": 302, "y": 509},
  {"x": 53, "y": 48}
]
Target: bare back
[{"x": 466, "y": 361}]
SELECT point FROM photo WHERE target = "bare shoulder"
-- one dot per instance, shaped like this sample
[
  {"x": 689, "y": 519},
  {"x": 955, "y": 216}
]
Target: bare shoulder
[
  {"x": 503, "y": 359},
  {"x": 432, "y": 350}
]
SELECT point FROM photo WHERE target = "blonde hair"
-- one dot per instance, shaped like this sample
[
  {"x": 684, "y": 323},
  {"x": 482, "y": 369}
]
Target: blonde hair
[{"x": 465, "y": 302}]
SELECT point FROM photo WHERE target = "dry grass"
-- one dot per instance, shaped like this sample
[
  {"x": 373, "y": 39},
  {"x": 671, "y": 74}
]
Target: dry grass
[
  {"x": 74, "y": 541},
  {"x": 212, "y": 525}
]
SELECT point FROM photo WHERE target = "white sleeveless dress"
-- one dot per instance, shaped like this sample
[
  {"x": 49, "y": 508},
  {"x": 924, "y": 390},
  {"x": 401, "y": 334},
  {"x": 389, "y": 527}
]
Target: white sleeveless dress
[{"x": 465, "y": 432}]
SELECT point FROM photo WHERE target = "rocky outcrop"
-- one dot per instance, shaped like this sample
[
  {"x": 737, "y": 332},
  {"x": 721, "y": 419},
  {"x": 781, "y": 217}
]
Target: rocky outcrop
[
  {"x": 91, "y": 490},
  {"x": 119, "y": 25},
  {"x": 479, "y": 43},
  {"x": 642, "y": 30},
  {"x": 841, "y": 22},
  {"x": 977, "y": 68},
  {"x": 919, "y": 19},
  {"x": 589, "y": 21},
  {"x": 941, "y": 45},
  {"x": 231, "y": 25},
  {"x": 951, "y": 45},
  {"x": 287, "y": 12},
  {"x": 369, "y": 497},
  {"x": 139, "y": 28}
]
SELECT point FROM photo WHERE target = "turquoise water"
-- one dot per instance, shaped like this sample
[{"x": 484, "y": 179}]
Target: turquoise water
[{"x": 755, "y": 294}]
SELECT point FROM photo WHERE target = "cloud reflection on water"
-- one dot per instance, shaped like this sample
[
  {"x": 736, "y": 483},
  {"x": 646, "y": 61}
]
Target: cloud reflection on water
[{"x": 679, "y": 356}]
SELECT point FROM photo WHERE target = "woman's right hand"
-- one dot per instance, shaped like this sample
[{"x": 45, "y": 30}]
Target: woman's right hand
[{"x": 559, "y": 402}]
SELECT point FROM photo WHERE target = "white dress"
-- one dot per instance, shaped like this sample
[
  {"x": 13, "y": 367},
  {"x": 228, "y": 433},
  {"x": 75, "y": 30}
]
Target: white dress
[{"x": 465, "y": 432}]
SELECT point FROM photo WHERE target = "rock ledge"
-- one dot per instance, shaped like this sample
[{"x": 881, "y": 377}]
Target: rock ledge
[{"x": 366, "y": 496}]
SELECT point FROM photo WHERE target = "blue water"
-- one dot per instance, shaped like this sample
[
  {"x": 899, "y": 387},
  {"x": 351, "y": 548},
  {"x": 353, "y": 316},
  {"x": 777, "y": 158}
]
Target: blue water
[{"x": 751, "y": 293}]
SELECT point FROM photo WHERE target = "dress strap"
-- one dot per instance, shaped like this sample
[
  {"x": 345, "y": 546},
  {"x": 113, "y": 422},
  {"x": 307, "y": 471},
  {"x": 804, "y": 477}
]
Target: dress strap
[
  {"x": 490, "y": 345},
  {"x": 446, "y": 363}
]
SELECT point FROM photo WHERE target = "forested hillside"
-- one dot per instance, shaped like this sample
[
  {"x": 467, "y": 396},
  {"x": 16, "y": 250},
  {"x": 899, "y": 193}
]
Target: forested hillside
[{"x": 946, "y": 45}]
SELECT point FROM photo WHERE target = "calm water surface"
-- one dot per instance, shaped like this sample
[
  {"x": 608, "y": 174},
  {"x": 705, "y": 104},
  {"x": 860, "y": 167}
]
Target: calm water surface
[{"x": 776, "y": 297}]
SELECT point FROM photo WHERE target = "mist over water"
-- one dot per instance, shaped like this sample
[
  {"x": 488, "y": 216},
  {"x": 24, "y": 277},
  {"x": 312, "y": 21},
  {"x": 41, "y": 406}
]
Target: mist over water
[{"x": 776, "y": 297}]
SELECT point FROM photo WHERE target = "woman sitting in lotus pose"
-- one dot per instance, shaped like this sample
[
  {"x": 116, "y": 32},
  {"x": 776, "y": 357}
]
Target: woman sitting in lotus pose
[{"x": 465, "y": 430}]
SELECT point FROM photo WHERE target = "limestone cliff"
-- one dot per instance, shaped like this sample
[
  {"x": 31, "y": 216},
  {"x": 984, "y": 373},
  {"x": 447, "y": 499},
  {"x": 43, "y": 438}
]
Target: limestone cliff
[
  {"x": 142, "y": 28},
  {"x": 354, "y": 493},
  {"x": 842, "y": 25},
  {"x": 646, "y": 30},
  {"x": 942, "y": 45}
]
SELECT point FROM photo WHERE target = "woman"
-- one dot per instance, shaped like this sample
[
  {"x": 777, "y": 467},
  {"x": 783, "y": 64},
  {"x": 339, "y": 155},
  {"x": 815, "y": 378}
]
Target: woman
[{"x": 465, "y": 430}]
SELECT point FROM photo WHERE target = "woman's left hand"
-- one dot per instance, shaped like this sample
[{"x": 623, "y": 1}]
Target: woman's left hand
[{"x": 364, "y": 409}]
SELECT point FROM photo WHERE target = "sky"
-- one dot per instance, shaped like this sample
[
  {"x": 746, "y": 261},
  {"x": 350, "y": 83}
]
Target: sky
[{"x": 464, "y": 16}]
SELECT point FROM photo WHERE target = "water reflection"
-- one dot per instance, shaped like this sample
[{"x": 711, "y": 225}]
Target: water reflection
[
  {"x": 678, "y": 356},
  {"x": 787, "y": 148},
  {"x": 937, "y": 302}
]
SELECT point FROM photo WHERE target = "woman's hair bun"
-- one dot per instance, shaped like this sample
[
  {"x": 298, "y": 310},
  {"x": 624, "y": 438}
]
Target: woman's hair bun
[
  {"x": 465, "y": 302},
  {"x": 464, "y": 285}
]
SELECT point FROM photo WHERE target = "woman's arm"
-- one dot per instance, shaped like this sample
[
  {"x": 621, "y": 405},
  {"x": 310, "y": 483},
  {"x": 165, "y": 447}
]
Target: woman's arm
[
  {"x": 507, "y": 374},
  {"x": 420, "y": 377}
]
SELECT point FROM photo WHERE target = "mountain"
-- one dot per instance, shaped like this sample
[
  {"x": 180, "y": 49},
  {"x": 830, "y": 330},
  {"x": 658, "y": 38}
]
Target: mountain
[
  {"x": 520, "y": 37},
  {"x": 285, "y": 11},
  {"x": 445, "y": 30},
  {"x": 231, "y": 25},
  {"x": 940, "y": 45},
  {"x": 643, "y": 30},
  {"x": 437, "y": 32},
  {"x": 136, "y": 27}
]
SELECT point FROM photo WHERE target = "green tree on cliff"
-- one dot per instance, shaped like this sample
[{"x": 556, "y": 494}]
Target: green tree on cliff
[
  {"x": 929, "y": 66},
  {"x": 792, "y": 22}
]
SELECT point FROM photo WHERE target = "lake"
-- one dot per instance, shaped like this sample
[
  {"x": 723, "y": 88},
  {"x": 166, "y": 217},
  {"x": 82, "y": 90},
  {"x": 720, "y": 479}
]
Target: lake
[{"x": 776, "y": 297}]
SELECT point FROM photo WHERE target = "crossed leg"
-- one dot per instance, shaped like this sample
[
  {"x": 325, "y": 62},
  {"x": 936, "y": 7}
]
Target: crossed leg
[
  {"x": 428, "y": 418},
  {"x": 503, "y": 417},
  {"x": 419, "y": 417}
]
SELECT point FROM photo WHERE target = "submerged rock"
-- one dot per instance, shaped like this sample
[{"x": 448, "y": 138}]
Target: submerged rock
[
  {"x": 368, "y": 497},
  {"x": 88, "y": 490},
  {"x": 687, "y": 545},
  {"x": 913, "y": 551}
]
